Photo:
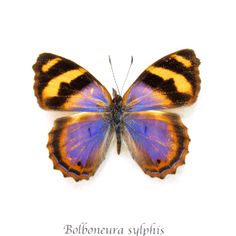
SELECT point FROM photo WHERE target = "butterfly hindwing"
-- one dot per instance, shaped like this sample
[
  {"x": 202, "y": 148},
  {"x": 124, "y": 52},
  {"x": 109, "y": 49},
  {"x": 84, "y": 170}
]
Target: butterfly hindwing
[
  {"x": 172, "y": 81},
  {"x": 61, "y": 84},
  {"x": 78, "y": 143},
  {"x": 158, "y": 141}
]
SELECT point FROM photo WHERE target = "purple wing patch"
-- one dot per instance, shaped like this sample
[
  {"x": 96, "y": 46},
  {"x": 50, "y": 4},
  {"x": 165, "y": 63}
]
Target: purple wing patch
[
  {"x": 92, "y": 98},
  {"x": 140, "y": 97},
  {"x": 78, "y": 144},
  {"x": 157, "y": 141},
  {"x": 152, "y": 135}
]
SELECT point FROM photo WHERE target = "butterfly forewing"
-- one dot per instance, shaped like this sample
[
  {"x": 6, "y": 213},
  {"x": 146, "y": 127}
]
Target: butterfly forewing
[
  {"x": 172, "y": 81},
  {"x": 61, "y": 84}
]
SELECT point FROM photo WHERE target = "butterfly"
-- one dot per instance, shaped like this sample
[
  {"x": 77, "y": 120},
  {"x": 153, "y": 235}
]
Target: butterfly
[{"x": 157, "y": 139}]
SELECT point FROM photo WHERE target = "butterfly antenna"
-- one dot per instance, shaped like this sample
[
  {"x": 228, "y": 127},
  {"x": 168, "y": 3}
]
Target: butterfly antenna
[
  {"x": 113, "y": 74},
  {"x": 131, "y": 62}
]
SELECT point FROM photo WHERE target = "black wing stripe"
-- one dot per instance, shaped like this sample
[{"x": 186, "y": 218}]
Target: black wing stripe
[
  {"x": 177, "y": 67},
  {"x": 56, "y": 70},
  {"x": 167, "y": 87}
]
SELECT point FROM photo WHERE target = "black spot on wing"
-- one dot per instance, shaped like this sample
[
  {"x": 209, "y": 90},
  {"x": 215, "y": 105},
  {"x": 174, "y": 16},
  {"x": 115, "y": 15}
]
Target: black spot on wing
[
  {"x": 145, "y": 130},
  {"x": 90, "y": 134}
]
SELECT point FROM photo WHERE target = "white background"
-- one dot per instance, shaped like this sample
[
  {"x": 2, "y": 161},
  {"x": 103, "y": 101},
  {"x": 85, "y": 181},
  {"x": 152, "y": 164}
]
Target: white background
[{"x": 37, "y": 200}]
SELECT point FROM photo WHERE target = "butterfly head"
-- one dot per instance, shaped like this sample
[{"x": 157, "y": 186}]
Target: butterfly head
[{"x": 116, "y": 97}]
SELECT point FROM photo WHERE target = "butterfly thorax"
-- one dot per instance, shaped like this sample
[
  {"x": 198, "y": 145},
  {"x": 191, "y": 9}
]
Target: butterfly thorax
[
  {"x": 116, "y": 111},
  {"x": 117, "y": 117}
]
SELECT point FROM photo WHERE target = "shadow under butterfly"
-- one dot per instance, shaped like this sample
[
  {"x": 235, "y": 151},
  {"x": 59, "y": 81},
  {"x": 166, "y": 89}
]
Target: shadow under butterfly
[{"x": 157, "y": 140}]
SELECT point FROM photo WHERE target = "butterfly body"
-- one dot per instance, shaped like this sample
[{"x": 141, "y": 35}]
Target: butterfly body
[
  {"x": 117, "y": 117},
  {"x": 157, "y": 140}
]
